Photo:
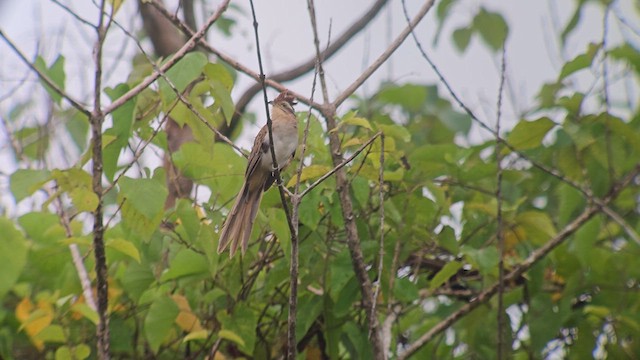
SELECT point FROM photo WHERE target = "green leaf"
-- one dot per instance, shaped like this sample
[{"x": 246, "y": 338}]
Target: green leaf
[
  {"x": 447, "y": 271},
  {"x": 123, "y": 118},
  {"x": 396, "y": 131},
  {"x": 142, "y": 204},
  {"x": 485, "y": 259},
  {"x": 537, "y": 225},
  {"x": 627, "y": 53},
  {"x": 13, "y": 255},
  {"x": 181, "y": 74},
  {"x": 55, "y": 73},
  {"x": 219, "y": 73},
  {"x": 580, "y": 62},
  {"x": 147, "y": 196},
  {"x": 87, "y": 312},
  {"x": 52, "y": 334},
  {"x": 529, "y": 134},
  {"x": 24, "y": 182},
  {"x": 492, "y": 28},
  {"x": 223, "y": 99},
  {"x": 461, "y": 38},
  {"x": 309, "y": 308},
  {"x": 186, "y": 263},
  {"x": 160, "y": 320},
  {"x": 405, "y": 290},
  {"x": 78, "y": 184},
  {"x": 409, "y": 96},
  {"x": 79, "y": 352},
  {"x": 242, "y": 322},
  {"x": 442, "y": 12},
  {"x": 125, "y": 247}
]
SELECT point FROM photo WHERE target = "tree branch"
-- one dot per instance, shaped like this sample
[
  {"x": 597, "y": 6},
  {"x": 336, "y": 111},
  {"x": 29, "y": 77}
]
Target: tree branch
[{"x": 385, "y": 55}]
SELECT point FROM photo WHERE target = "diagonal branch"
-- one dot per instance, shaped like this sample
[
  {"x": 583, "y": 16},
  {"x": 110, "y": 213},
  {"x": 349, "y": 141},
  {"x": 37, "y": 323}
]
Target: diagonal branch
[
  {"x": 44, "y": 77},
  {"x": 385, "y": 55}
]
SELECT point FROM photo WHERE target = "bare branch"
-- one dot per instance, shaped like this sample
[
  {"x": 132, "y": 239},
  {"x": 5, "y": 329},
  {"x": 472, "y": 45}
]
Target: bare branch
[{"x": 385, "y": 55}]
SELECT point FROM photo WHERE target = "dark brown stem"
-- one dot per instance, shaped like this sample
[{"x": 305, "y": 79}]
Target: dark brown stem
[{"x": 97, "y": 118}]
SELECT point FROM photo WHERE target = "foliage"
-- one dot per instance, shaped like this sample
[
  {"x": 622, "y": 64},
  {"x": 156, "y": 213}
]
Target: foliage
[{"x": 172, "y": 296}]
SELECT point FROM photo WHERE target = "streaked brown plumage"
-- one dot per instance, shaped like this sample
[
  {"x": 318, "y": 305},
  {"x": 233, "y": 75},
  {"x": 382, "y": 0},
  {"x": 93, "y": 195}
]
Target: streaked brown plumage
[{"x": 259, "y": 176}]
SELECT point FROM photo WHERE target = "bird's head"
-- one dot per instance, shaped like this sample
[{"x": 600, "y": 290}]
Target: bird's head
[{"x": 284, "y": 101}]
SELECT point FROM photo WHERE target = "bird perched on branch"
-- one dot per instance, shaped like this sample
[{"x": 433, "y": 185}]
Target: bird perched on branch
[{"x": 260, "y": 175}]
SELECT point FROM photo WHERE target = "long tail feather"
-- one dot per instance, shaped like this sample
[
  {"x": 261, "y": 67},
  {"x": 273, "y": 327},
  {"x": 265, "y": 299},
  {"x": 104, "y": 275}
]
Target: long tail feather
[{"x": 239, "y": 222}]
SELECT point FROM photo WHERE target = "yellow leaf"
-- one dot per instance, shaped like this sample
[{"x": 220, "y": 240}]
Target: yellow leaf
[
  {"x": 33, "y": 322},
  {"x": 186, "y": 319},
  {"x": 196, "y": 335},
  {"x": 310, "y": 172}
]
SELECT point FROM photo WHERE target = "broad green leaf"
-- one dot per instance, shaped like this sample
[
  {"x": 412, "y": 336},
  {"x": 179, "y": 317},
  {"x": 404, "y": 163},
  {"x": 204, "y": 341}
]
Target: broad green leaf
[
  {"x": 55, "y": 73},
  {"x": 580, "y": 62},
  {"x": 86, "y": 311},
  {"x": 181, "y": 74},
  {"x": 309, "y": 308},
  {"x": 442, "y": 276},
  {"x": 573, "y": 22},
  {"x": 223, "y": 99},
  {"x": 396, "y": 131},
  {"x": 125, "y": 247},
  {"x": 24, "y": 182},
  {"x": 242, "y": 322},
  {"x": 443, "y": 12},
  {"x": 52, "y": 334},
  {"x": 159, "y": 321},
  {"x": 186, "y": 263},
  {"x": 219, "y": 73},
  {"x": 492, "y": 28},
  {"x": 529, "y": 134},
  {"x": 485, "y": 259},
  {"x": 120, "y": 132},
  {"x": 462, "y": 37},
  {"x": 537, "y": 225},
  {"x": 77, "y": 125},
  {"x": 13, "y": 255},
  {"x": 147, "y": 196},
  {"x": 137, "y": 279},
  {"x": 405, "y": 290},
  {"x": 409, "y": 96},
  {"x": 309, "y": 172},
  {"x": 78, "y": 184},
  {"x": 142, "y": 204},
  {"x": 352, "y": 119}
]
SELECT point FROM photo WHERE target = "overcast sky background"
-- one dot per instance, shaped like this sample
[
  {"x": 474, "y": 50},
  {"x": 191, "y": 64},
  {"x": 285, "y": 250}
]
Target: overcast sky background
[{"x": 533, "y": 53}]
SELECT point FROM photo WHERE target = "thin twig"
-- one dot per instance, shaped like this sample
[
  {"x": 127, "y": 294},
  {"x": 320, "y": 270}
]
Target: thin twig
[
  {"x": 340, "y": 165},
  {"x": 385, "y": 55}
]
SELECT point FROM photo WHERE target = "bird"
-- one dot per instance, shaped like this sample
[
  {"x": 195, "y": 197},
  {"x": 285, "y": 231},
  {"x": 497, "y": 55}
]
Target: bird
[{"x": 260, "y": 175}]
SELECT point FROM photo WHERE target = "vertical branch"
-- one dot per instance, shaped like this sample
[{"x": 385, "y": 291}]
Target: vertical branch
[
  {"x": 501, "y": 310},
  {"x": 295, "y": 200},
  {"x": 97, "y": 118}
]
